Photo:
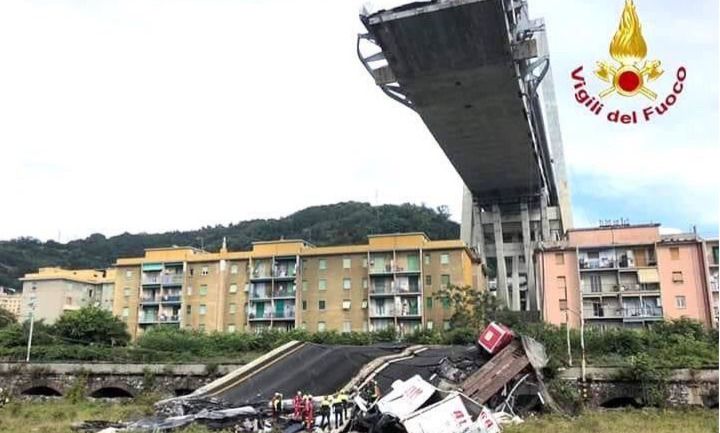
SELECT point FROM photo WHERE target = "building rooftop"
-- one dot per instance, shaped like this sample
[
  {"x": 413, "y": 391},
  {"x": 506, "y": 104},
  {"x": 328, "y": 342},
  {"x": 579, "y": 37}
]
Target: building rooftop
[{"x": 91, "y": 276}]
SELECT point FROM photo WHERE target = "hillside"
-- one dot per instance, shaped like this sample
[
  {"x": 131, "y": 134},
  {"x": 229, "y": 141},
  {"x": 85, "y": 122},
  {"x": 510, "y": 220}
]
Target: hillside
[{"x": 341, "y": 223}]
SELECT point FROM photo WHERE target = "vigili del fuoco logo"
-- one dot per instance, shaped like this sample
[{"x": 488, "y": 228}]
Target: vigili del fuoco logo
[{"x": 630, "y": 74}]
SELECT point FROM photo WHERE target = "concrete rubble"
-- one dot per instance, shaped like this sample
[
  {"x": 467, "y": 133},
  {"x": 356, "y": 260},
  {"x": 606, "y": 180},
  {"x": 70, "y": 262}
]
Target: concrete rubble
[{"x": 408, "y": 389}]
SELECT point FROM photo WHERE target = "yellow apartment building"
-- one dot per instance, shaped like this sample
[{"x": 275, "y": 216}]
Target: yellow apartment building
[
  {"x": 54, "y": 290},
  {"x": 390, "y": 281}
]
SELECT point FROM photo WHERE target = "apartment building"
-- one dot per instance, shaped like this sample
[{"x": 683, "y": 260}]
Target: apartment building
[
  {"x": 711, "y": 259},
  {"x": 622, "y": 275},
  {"x": 10, "y": 302},
  {"x": 390, "y": 281},
  {"x": 54, "y": 290}
]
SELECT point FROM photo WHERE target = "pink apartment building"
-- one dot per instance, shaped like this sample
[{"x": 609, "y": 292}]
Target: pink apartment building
[{"x": 625, "y": 275}]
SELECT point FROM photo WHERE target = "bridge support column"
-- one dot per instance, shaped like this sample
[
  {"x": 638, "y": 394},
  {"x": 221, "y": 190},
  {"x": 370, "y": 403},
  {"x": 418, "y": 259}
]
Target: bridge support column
[
  {"x": 501, "y": 269},
  {"x": 515, "y": 301},
  {"x": 528, "y": 248}
]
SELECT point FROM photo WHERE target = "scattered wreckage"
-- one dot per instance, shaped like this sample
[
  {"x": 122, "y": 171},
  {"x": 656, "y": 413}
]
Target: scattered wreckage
[{"x": 403, "y": 389}]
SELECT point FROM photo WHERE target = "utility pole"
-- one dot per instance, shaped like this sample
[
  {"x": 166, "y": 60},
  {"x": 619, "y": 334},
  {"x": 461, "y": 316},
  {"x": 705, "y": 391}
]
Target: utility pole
[{"x": 31, "y": 304}]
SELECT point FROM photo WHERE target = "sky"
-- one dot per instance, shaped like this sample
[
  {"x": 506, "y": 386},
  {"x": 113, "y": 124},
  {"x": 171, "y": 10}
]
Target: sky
[{"x": 148, "y": 115}]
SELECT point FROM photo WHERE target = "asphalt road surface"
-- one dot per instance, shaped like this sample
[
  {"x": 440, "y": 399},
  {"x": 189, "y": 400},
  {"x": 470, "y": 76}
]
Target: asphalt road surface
[{"x": 313, "y": 369}]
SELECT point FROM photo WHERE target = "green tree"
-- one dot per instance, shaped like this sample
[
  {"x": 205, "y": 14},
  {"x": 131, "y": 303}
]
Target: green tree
[
  {"x": 471, "y": 308},
  {"x": 6, "y": 318},
  {"x": 92, "y": 325}
]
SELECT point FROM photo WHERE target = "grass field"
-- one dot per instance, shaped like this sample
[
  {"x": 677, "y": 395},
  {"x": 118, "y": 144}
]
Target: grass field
[
  {"x": 57, "y": 416},
  {"x": 624, "y": 421}
]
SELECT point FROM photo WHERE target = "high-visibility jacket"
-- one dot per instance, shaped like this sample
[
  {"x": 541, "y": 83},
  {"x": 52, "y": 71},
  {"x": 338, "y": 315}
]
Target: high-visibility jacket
[{"x": 343, "y": 398}]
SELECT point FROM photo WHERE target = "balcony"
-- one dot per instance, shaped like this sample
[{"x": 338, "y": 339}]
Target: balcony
[
  {"x": 604, "y": 263},
  {"x": 378, "y": 313},
  {"x": 642, "y": 313},
  {"x": 288, "y": 293},
  {"x": 173, "y": 279},
  {"x": 285, "y": 270},
  {"x": 171, "y": 299},
  {"x": 149, "y": 299},
  {"x": 144, "y": 320},
  {"x": 151, "y": 279},
  {"x": 273, "y": 315},
  {"x": 639, "y": 288},
  {"x": 600, "y": 290}
]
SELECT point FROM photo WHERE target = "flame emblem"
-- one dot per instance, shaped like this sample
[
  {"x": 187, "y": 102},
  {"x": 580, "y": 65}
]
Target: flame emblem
[{"x": 629, "y": 50}]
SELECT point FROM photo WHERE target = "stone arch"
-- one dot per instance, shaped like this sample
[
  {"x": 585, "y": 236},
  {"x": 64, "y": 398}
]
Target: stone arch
[
  {"x": 41, "y": 390},
  {"x": 179, "y": 392},
  {"x": 621, "y": 401},
  {"x": 111, "y": 390}
]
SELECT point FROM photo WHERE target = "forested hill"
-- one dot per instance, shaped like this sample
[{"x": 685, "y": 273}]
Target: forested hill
[{"x": 341, "y": 223}]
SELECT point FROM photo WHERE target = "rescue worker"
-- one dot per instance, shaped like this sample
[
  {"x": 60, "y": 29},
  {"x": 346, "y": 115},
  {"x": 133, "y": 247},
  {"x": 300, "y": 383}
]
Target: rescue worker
[
  {"x": 375, "y": 391},
  {"x": 276, "y": 403},
  {"x": 325, "y": 405},
  {"x": 345, "y": 403},
  {"x": 298, "y": 406},
  {"x": 337, "y": 406},
  {"x": 309, "y": 411}
]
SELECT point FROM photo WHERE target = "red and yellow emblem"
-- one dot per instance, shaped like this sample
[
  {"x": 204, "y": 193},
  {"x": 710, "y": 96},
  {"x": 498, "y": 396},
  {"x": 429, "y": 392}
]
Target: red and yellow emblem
[{"x": 629, "y": 76}]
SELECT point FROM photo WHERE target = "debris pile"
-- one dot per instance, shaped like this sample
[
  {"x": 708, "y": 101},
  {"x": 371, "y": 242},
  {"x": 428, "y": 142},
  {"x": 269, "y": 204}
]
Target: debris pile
[{"x": 420, "y": 389}]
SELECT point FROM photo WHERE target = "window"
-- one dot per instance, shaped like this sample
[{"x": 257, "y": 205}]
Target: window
[
  {"x": 598, "y": 309},
  {"x": 563, "y": 305},
  {"x": 427, "y": 261},
  {"x": 68, "y": 300},
  {"x": 446, "y": 302},
  {"x": 444, "y": 281},
  {"x": 231, "y": 328},
  {"x": 304, "y": 285},
  {"x": 322, "y": 264},
  {"x": 595, "y": 284},
  {"x": 322, "y": 284},
  {"x": 192, "y": 271},
  {"x": 561, "y": 283},
  {"x": 188, "y": 309},
  {"x": 428, "y": 280},
  {"x": 444, "y": 259},
  {"x": 128, "y": 275},
  {"x": 321, "y": 327},
  {"x": 428, "y": 302},
  {"x": 559, "y": 258},
  {"x": 677, "y": 277},
  {"x": 233, "y": 288},
  {"x": 446, "y": 325},
  {"x": 126, "y": 311},
  {"x": 364, "y": 262},
  {"x": 680, "y": 302},
  {"x": 203, "y": 309},
  {"x": 233, "y": 270},
  {"x": 346, "y": 304},
  {"x": 347, "y": 263},
  {"x": 204, "y": 270},
  {"x": 364, "y": 304},
  {"x": 593, "y": 255},
  {"x": 346, "y": 283},
  {"x": 126, "y": 292},
  {"x": 304, "y": 305},
  {"x": 232, "y": 308},
  {"x": 675, "y": 253},
  {"x": 347, "y": 326},
  {"x": 203, "y": 290},
  {"x": 321, "y": 304},
  {"x": 365, "y": 283},
  {"x": 189, "y": 290}
]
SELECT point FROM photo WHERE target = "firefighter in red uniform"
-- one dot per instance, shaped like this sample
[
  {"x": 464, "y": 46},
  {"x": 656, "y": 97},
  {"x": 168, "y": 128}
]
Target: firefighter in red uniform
[
  {"x": 298, "y": 406},
  {"x": 309, "y": 413}
]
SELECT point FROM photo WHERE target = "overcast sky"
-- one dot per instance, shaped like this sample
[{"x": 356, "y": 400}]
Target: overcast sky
[{"x": 146, "y": 115}]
